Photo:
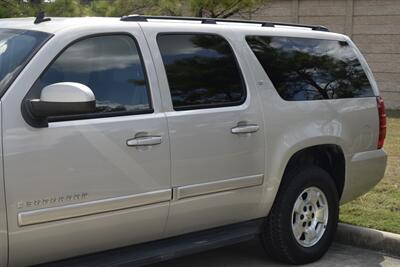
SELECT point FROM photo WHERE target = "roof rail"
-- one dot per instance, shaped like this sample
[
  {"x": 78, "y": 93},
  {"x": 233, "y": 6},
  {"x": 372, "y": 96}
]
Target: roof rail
[{"x": 141, "y": 18}]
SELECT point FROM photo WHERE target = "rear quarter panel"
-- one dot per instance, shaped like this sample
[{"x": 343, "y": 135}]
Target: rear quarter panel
[{"x": 290, "y": 126}]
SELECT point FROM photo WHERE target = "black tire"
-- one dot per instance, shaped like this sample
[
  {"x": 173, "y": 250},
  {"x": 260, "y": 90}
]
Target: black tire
[{"x": 277, "y": 237}]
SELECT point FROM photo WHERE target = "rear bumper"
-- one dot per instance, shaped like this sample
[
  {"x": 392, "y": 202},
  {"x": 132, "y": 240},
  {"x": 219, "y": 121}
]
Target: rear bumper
[{"x": 363, "y": 171}]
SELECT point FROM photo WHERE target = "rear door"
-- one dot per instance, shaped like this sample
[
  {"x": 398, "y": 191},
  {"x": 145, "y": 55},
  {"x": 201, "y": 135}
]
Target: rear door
[
  {"x": 215, "y": 126},
  {"x": 78, "y": 185}
]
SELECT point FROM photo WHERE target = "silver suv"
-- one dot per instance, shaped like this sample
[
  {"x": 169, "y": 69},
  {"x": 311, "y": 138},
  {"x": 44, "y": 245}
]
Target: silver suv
[{"x": 133, "y": 140}]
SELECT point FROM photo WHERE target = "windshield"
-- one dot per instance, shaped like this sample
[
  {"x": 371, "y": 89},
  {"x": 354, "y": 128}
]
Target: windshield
[{"x": 16, "y": 48}]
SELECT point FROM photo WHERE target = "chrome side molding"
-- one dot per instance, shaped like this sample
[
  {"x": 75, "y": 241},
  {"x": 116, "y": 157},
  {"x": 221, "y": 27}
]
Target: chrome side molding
[
  {"x": 93, "y": 207},
  {"x": 218, "y": 186},
  {"x": 132, "y": 201}
]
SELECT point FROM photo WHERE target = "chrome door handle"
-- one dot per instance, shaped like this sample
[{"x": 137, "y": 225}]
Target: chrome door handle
[
  {"x": 144, "y": 141},
  {"x": 243, "y": 129}
]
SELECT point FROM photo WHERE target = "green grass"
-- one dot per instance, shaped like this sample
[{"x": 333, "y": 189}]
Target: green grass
[{"x": 380, "y": 208}]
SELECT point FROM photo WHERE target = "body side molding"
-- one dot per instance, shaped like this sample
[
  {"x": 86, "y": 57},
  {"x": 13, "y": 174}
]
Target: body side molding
[
  {"x": 183, "y": 192},
  {"x": 93, "y": 207}
]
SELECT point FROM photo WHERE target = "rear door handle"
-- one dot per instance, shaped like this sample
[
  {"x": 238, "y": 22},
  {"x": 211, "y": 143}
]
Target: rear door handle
[
  {"x": 144, "y": 141},
  {"x": 244, "y": 129}
]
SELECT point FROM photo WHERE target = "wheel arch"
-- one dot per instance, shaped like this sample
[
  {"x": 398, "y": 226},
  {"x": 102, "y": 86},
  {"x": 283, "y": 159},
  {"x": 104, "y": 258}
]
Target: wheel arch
[{"x": 329, "y": 157}]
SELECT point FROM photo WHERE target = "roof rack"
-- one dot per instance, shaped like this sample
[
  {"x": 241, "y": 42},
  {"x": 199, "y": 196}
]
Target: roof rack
[{"x": 141, "y": 18}]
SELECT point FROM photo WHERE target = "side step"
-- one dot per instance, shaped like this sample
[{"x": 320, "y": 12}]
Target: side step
[{"x": 156, "y": 251}]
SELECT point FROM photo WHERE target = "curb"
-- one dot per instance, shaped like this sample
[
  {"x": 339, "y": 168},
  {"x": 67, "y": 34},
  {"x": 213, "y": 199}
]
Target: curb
[{"x": 385, "y": 242}]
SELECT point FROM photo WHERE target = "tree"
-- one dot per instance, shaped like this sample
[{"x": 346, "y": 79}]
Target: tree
[
  {"x": 12, "y": 8},
  {"x": 222, "y": 8},
  {"x": 66, "y": 8},
  {"x": 117, "y": 8},
  {"x": 156, "y": 7},
  {"x": 198, "y": 8},
  {"x": 99, "y": 8}
]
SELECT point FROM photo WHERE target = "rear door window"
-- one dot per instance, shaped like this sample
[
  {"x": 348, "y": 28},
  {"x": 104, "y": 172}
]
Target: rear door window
[
  {"x": 202, "y": 71},
  {"x": 311, "y": 69}
]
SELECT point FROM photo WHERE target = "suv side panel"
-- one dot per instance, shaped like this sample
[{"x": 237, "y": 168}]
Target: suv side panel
[
  {"x": 82, "y": 162},
  {"x": 198, "y": 154}
]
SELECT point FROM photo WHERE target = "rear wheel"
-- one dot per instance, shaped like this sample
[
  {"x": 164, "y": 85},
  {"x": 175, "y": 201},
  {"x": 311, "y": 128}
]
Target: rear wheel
[{"x": 303, "y": 220}]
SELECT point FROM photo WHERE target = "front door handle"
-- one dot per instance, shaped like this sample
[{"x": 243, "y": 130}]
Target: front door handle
[
  {"x": 244, "y": 129},
  {"x": 144, "y": 141}
]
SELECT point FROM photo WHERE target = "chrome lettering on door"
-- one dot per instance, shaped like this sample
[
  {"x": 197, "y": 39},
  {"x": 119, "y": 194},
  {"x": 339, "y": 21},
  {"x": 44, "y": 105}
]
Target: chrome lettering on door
[{"x": 53, "y": 200}]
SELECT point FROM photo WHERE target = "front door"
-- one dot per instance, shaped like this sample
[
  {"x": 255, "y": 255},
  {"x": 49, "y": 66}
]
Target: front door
[
  {"x": 215, "y": 127},
  {"x": 87, "y": 182}
]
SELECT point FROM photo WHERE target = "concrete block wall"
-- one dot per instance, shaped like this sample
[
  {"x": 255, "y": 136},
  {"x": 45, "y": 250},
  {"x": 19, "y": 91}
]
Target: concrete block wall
[{"x": 374, "y": 25}]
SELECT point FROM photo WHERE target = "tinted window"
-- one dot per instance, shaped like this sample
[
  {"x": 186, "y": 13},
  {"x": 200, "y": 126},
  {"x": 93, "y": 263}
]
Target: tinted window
[
  {"x": 310, "y": 69},
  {"x": 109, "y": 65},
  {"x": 16, "y": 47},
  {"x": 202, "y": 71}
]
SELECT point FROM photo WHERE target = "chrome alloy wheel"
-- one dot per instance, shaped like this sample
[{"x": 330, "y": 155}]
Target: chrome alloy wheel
[{"x": 310, "y": 217}]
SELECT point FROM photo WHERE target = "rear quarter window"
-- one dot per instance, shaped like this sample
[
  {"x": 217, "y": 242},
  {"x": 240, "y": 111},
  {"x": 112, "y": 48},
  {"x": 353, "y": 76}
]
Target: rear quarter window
[{"x": 311, "y": 69}]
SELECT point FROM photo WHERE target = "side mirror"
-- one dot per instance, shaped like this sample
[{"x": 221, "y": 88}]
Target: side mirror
[{"x": 60, "y": 99}]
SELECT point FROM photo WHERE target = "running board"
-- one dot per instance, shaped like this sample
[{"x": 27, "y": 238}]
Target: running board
[{"x": 166, "y": 249}]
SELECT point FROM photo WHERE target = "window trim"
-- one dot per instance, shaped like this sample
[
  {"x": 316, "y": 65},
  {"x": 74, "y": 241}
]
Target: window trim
[
  {"x": 206, "y": 106},
  {"x": 314, "y": 38},
  {"x": 31, "y": 121}
]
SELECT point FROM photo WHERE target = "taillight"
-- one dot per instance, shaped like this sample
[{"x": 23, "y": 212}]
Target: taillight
[{"x": 382, "y": 121}]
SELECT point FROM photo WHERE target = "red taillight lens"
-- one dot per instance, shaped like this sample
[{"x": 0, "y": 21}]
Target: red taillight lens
[{"x": 382, "y": 121}]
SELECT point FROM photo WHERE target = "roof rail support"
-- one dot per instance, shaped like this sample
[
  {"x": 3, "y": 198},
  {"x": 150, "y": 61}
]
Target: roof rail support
[
  {"x": 208, "y": 21},
  {"x": 140, "y": 18},
  {"x": 134, "y": 17},
  {"x": 268, "y": 24}
]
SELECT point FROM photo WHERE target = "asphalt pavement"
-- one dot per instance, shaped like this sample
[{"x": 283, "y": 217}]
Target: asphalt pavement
[{"x": 250, "y": 254}]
